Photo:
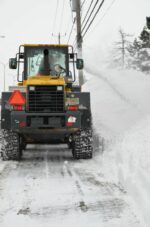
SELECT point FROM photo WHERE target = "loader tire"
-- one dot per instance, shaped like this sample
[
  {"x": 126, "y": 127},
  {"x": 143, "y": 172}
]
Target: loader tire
[
  {"x": 82, "y": 145},
  {"x": 70, "y": 145},
  {"x": 23, "y": 144},
  {"x": 10, "y": 149}
]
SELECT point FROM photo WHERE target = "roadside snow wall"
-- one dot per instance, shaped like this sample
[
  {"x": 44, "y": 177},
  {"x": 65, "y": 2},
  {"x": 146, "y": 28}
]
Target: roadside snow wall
[{"x": 121, "y": 114}]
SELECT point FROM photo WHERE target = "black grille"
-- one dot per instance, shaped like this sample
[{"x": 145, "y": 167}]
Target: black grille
[{"x": 47, "y": 99}]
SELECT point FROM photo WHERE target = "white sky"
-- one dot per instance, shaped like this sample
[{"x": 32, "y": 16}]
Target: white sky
[{"x": 32, "y": 21}]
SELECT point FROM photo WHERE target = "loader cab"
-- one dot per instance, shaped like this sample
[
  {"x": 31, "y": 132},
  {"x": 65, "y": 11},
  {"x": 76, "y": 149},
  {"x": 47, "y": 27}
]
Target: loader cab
[{"x": 46, "y": 60}]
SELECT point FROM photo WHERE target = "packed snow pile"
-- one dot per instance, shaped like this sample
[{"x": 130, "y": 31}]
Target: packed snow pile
[
  {"x": 121, "y": 108},
  {"x": 132, "y": 161},
  {"x": 119, "y": 99}
]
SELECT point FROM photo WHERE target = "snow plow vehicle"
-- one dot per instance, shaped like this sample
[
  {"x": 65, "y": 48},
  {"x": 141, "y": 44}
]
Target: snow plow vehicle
[{"x": 47, "y": 106}]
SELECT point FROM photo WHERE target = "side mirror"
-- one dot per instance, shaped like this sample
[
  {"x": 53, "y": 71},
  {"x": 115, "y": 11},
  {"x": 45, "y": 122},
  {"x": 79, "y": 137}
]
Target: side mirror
[
  {"x": 12, "y": 63},
  {"x": 79, "y": 63}
]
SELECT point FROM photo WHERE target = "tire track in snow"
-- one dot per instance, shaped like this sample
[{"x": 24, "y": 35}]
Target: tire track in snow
[
  {"x": 108, "y": 205},
  {"x": 77, "y": 192},
  {"x": 81, "y": 203},
  {"x": 46, "y": 164},
  {"x": 9, "y": 167},
  {"x": 48, "y": 160},
  {"x": 111, "y": 206},
  {"x": 113, "y": 201}
]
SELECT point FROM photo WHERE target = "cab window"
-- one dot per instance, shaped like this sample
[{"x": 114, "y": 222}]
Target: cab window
[{"x": 46, "y": 61}]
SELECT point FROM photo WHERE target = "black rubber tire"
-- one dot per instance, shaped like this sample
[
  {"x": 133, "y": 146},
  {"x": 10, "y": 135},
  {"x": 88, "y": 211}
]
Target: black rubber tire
[
  {"x": 11, "y": 149},
  {"x": 82, "y": 145},
  {"x": 70, "y": 145},
  {"x": 22, "y": 143}
]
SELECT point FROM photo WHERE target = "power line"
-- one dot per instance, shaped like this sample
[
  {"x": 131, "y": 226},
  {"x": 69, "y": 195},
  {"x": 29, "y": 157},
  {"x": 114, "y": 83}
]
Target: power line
[
  {"x": 106, "y": 12},
  {"x": 55, "y": 16},
  {"x": 90, "y": 15},
  {"x": 72, "y": 18},
  {"x": 102, "y": 2},
  {"x": 68, "y": 27},
  {"x": 71, "y": 30},
  {"x": 61, "y": 18},
  {"x": 75, "y": 43},
  {"x": 87, "y": 11},
  {"x": 83, "y": 3}
]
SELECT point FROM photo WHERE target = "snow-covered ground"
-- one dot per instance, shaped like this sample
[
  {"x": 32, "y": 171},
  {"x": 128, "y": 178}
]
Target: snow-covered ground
[{"x": 49, "y": 188}]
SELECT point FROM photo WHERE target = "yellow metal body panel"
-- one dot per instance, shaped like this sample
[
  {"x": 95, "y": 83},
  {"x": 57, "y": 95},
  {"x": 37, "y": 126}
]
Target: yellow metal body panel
[
  {"x": 42, "y": 45},
  {"x": 44, "y": 80}
]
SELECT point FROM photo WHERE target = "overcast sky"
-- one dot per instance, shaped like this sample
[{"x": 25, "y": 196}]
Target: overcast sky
[{"x": 32, "y": 21}]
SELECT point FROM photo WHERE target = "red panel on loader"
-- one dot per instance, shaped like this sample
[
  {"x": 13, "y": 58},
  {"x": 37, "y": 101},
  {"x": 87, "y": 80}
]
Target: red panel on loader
[{"x": 16, "y": 98}]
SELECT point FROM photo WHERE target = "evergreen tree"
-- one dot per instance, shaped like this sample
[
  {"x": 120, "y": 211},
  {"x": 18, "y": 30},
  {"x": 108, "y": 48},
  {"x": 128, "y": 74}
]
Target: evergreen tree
[
  {"x": 145, "y": 38},
  {"x": 134, "y": 55},
  {"x": 144, "y": 53},
  {"x": 139, "y": 51},
  {"x": 134, "y": 50}
]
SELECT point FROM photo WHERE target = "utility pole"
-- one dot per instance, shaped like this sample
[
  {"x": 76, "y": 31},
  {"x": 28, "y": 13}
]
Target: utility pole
[
  {"x": 78, "y": 16},
  {"x": 59, "y": 37},
  {"x": 79, "y": 37}
]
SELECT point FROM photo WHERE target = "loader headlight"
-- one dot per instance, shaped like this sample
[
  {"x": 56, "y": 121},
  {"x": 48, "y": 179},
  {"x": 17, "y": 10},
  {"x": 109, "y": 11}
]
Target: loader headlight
[
  {"x": 59, "y": 88},
  {"x": 69, "y": 79},
  {"x": 32, "y": 88}
]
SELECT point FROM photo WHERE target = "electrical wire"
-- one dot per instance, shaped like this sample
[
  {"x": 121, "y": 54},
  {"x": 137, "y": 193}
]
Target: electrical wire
[
  {"x": 87, "y": 12},
  {"x": 55, "y": 17},
  {"x": 71, "y": 30},
  {"x": 102, "y": 2},
  {"x": 106, "y": 12},
  {"x": 83, "y": 3},
  {"x": 68, "y": 27},
  {"x": 67, "y": 24},
  {"x": 90, "y": 15},
  {"x": 61, "y": 18},
  {"x": 74, "y": 43}
]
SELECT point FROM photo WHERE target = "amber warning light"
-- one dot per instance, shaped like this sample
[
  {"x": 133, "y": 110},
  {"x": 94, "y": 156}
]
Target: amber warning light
[{"x": 17, "y": 100}]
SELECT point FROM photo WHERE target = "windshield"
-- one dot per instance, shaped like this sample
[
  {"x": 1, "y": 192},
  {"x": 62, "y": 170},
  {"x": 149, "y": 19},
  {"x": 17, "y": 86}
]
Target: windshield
[{"x": 46, "y": 61}]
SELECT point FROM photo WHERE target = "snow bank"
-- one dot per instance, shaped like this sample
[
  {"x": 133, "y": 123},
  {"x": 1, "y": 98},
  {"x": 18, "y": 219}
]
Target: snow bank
[
  {"x": 118, "y": 98},
  {"x": 2, "y": 164},
  {"x": 132, "y": 163},
  {"x": 121, "y": 113}
]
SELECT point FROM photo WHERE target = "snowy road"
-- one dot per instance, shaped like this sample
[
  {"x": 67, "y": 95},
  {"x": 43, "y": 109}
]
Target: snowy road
[{"x": 49, "y": 188}]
